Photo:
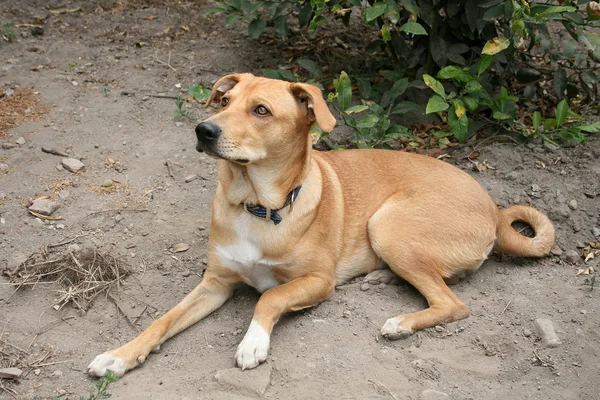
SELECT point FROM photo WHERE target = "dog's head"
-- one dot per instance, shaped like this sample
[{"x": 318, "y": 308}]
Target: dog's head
[{"x": 260, "y": 118}]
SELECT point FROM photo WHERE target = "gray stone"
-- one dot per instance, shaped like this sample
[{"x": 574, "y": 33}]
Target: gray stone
[
  {"x": 8, "y": 146},
  {"x": 596, "y": 232},
  {"x": 573, "y": 204},
  {"x": 438, "y": 328},
  {"x": 191, "y": 178},
  {"x": 179, "y": 124},
  {"x": 572, "y": 256},
  {"x": 43, "y": 207},
  {"x": 512, "y": 176},
  {"x": 10, "y": 373},
  {"x": 3, "y": 166},
  {"x": 20, "y": 141},
  {"x": 550, "y": 147},
  {"x": 73, "y": 164},
  {"x": 526, "y": 332},
  {"x": 430, "y": 394},
  {"x": 546, "y": 332},
  {"x": 250, "y": 382},
  {"x": 365, "y": 286}
]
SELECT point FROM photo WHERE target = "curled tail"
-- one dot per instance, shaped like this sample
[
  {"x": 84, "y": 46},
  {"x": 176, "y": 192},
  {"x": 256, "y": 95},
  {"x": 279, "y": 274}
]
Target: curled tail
[{"x": 511, "y": 242}]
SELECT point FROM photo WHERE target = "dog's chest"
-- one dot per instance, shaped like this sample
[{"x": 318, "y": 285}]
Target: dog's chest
[{"x": 246, "y": 259}]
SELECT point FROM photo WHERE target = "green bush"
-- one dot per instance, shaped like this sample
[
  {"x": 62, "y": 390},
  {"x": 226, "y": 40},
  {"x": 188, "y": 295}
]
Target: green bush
[{"x": 494, "y": 59}]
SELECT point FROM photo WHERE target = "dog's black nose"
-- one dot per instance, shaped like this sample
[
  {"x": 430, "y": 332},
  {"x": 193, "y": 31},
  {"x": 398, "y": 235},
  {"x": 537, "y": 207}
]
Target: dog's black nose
[{"x": 207, "y": 132}]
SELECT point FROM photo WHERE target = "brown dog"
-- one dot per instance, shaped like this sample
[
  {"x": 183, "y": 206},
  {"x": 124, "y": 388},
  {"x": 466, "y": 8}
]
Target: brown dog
[{"x": 294, "y": 223}]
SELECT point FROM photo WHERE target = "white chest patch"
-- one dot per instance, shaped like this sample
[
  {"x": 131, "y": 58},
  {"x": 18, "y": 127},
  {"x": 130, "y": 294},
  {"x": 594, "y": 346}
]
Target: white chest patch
[{"x": 246, "y": 259}]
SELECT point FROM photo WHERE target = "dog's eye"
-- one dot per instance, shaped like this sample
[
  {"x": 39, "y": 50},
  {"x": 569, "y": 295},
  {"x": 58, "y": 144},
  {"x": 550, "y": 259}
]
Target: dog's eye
[
  {"x": 224, "y": 101},
  {"x": 262, "y": 111}
]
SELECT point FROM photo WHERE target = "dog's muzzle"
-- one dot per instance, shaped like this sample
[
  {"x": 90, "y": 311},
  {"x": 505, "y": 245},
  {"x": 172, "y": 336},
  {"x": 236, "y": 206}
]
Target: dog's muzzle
[{"x": 208, "y": 134}]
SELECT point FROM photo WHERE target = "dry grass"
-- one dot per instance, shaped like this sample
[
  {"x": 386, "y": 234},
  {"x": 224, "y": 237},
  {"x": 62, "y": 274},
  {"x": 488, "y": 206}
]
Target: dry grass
[
  {"x": 22, "y": 105},
  {"x": 82, "y": 275},
  {"x": 115, "y": 187}
]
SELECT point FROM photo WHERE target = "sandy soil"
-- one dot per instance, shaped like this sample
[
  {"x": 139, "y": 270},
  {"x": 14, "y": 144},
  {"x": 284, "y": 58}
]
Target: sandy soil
[{"x": 99, "y": 66}]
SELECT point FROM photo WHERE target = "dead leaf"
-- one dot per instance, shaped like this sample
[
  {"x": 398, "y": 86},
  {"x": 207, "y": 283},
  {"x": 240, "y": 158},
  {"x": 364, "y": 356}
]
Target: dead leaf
[
  {"x": 150, "y": 17},
  {"x": 540, "y": 164},
  {"x": 64, "y": 11},
  {"x": 37, "y": 68},
  {"x": 180, "y": 247},
  {"x": 185, "y": 28},
  {"x": 484, "y": 166}
]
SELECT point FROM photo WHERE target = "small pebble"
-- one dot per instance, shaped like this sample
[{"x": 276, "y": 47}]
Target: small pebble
[
  {"x": 438, "y": 328},
  {"x": 526, "y": 332},
  {"x": 572, "y": 256},
  {"x": 20, "y": 141},
  {"x": 573, "y": 204},
  {"x": 179, "y": 124},
  {"x": 547, "y": 333},
  {"x": 186, "y": 273},
  {"x": 191, "y": 178},
  {"x": 365, "y": 286},
  {"x": 8, "y": 146}
]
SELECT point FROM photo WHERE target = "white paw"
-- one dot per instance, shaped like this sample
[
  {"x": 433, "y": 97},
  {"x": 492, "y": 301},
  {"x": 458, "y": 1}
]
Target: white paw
[
  {"x": 254, "y": 348},
  {"x": 382, "y": 276},
  {"x": 104, "y": 362},
  {"x": 393, "y": 329}
]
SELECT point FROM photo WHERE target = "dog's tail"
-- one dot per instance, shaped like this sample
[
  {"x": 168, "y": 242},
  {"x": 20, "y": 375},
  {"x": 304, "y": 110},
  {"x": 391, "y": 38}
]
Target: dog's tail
[{"x": 512, "y": 243}]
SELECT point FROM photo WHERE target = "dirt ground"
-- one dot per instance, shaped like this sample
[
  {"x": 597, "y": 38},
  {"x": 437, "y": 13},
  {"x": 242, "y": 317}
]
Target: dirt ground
[{"x": 95, "y": 70}]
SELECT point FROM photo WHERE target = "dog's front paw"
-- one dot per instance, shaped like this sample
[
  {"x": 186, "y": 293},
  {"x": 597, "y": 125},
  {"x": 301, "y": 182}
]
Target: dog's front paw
[
  {"x": 394, "y": 330},
  {"x": 254, "y": 348},
  {"x": 385, "y": 275},
  {"x": 104, "y": 362}
]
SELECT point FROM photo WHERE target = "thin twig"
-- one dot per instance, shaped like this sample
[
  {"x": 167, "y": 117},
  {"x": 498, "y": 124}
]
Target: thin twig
[
  {"x": 168, "y": 164},
  {"x": 507, "y": 304},
  {"x": 122, "y": 312},
  {"x": 119, "y": 210},
  {"x": 50, "y": 363},
  {"x": 162, "y": 96},
  {"x": 168, "y": 63},
  {"x": 16, "y": 347},
  {"x": 377, "y": 383}
]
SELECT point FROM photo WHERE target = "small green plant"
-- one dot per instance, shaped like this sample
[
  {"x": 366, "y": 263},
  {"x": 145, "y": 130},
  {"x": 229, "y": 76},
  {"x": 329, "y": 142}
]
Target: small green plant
[
  {"x": 105, "y": 91},
  {"x": 8, "y": 32},
  {"x": 199, "y": 92},
  {"x": 375, "y": 127},
  {"x": 99, "y": 391},
  {"x": 180, "y": 112},
  {"x": 591, "y": 282}
]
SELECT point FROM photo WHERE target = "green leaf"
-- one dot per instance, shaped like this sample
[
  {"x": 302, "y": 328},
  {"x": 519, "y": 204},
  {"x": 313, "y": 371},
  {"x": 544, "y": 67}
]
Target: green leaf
[
  {"x": 369, "y": 121},
  {"x": 391, "y": 95},
  {"x": 458, "y": 126},
  {"x": 536, "y": 120},
  {"x": 484, "y": 63},
  {"x": 438, "y": 50},
  {"x": 344, "y": 90},
  {"x": 398, "y": 131},
  {"x": 562, "y": 110},
  {"x": 559, "y": 82},
  {"x": 436, "y": 104},
  {"x": 459, "y": 108},
  {"x": 549, "y": 124},
  {"x": 500, "y": 116},
  {"x": 471, "y": 103},
  {"x": 453, "y": 72},
  {"x": 232, "y": 19},
  {"x": 375, "y": 11},
  {"x": 435, "y": 85},
  {"x": 385, "y": 32},
  {"x": 364, "y": 87},
  {"x": 280, "y": 26},
  {"x": 287, "y": 75},
  {"x": 405, "y": 107},
  {"x": 357, "y": 109},
  {"x": 590, "y": 128},
  {"x": 199, "y": 92},
  {"x": 215, "y": 10},
  {"x": 256, "y": 27},
  {"x": 496, "y": 45},
  {"x": 414, "y": 28},
  {"x": 411, "y": 7},
  {"x": 271, "y": 73},
  {"x": 311, "y": 67}
]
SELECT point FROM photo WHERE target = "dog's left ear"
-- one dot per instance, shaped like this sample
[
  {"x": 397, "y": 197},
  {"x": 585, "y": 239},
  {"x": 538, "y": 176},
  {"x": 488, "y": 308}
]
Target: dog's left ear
[
  {"x": 316, "y": 105},
  {"x": 224, "y": 85}
]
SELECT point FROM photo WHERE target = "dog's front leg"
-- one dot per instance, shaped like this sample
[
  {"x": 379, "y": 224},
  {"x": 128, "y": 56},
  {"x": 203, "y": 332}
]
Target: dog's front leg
[
  {"x": 295, "y": 295},
  {"x": 209, "y": 295}
]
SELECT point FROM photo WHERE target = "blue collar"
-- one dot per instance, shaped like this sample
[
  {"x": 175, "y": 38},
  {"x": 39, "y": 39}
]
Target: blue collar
[{"x": 261, "y": 212}]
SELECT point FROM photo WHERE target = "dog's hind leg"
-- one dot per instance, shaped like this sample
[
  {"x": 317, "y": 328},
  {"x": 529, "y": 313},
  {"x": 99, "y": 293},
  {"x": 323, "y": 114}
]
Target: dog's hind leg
[
  {"x": 209, "y": 295},
  {"x": 414, "y": 256}
]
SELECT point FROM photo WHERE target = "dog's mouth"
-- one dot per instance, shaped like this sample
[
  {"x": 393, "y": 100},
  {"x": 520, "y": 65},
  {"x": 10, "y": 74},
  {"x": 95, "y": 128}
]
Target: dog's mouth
[{"x": 214, "y": 154}]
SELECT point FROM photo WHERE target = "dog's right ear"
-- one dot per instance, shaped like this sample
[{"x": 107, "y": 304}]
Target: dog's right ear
[{"x": 222, "y": 86}]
